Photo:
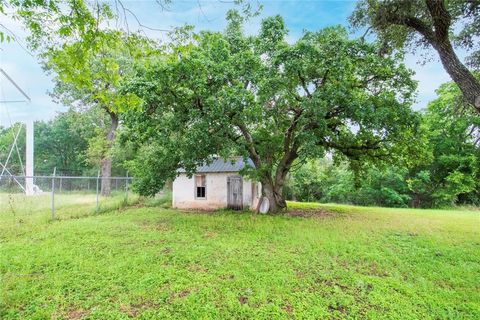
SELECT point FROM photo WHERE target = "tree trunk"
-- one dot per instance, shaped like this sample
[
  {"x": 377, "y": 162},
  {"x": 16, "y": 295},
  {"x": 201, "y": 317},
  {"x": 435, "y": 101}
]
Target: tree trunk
[
  {"x": 106, "y": 162},
  {"x": 274, "y": 193},
  {"x": 465, "y": 80},
  {"x": 438, "y": 36}
]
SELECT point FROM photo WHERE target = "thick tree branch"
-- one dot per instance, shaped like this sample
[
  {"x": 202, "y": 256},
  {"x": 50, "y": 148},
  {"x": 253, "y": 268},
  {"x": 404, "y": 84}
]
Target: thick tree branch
[
  {"x": 290, "y": 130},
  {"x": 304, "y": 85},
  {"x": 250, "y": 144},
  {"x": 439, "y": 40},
  {"x": 441, "y": 18}
]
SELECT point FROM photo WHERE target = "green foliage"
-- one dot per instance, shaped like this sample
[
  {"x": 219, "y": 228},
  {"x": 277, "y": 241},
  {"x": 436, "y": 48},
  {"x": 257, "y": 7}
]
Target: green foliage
[
  {"x": 91, "y": 74},
  {"x": 386, "y": 188},
  {"x": 63, "y": 142},
  {"x": 163, "y": 200},
  {"x": 320, "y": 180},
  {"x": 399, "y": 23},
  {"x": 437, "y": 24},
  {"x": 260, "y": 97},
  {"x": 325, "y": 181},
  {"x": 446, "y": 173},
  {"x": 20, "y": 208},
  {"x": 150, "y": 263},
  {"x": 66, "y": 142},
  {"x": 454, "y": 143},
  {"x": 53, "y": 22}
]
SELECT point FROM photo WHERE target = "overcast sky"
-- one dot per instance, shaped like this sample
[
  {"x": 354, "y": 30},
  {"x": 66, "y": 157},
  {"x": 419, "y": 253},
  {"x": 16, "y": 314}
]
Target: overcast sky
[{"x": 299, "y": 15}]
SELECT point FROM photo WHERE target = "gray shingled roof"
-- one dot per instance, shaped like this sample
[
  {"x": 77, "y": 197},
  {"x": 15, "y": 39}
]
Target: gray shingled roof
[{"x": 223, "y": 165}]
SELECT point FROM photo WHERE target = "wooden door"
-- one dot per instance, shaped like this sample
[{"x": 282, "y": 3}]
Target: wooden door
[{"x": 235, "y": 193}]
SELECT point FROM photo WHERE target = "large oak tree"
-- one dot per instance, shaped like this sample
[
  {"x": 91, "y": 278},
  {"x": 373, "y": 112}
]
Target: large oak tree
[
  {"x": 439, "y": 24},
  {"x": 265, "y": 99}
]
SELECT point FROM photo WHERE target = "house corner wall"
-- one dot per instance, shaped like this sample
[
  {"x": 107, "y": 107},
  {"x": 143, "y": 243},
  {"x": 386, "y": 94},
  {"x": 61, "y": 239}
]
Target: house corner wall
[{"x": 183, "y": 192}]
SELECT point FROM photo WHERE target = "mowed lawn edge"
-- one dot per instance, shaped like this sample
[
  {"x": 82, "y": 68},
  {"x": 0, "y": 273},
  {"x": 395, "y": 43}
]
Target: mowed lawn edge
[{"x": 334, "y": 262}]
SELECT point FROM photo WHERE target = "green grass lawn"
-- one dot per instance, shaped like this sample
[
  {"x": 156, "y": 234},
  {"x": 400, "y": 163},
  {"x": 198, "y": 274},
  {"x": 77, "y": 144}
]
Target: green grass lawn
[{"x": 153, "y": 263}]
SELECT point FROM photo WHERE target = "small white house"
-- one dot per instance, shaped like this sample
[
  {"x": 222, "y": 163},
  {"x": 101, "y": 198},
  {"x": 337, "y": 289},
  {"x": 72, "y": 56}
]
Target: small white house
[{"x": 214, "y": 186}]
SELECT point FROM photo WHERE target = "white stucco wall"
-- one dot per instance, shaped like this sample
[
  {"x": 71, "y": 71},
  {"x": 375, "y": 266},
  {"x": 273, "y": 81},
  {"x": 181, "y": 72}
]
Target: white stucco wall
[{"x": 183, "y": 192}]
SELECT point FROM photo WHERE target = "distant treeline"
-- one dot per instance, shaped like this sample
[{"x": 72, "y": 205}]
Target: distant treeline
[{"x": 72, "y": 143}]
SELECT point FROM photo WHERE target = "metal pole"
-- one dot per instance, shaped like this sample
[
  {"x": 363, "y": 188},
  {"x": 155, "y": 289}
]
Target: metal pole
[
  {"x": 53, "y": 192},
  {"x": 126, "y": 189},
  {"x": 29, "y": 154},
  {"x": 98, "y": 178}
]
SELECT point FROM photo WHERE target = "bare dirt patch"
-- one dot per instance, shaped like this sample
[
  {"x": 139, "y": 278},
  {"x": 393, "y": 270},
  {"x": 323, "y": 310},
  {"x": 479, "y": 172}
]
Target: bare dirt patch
[
  {"x": 287, "y": 307},
  {"x": 197, "y": 268},
  {"x": 227, "y": 277},
  {"x": 180, "y": 295},
  {"x": 134, "y": 310},
  {"x": 129, "y": 310},
  {"x": 199, "y": 211},
  {"x": 376, "y": 271},
  {"x": 209, "y": 234},
  {"x": 160, "y": 225},
  {"x": 331, "y": 283},
  {"x": 76, "y": 314},
  {"x": 337, "y": 309},
  {"x": 315, "y": 213},
  {"x": 242, "y": 299},
  {"x": 299, "y": 274},
  {"x": 166, "y": 250}
]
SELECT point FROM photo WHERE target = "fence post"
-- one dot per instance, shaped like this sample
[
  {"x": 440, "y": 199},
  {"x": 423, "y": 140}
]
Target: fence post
[
  {"x": 98, "y": 178},
  {"x": 126, "y": 189},
  {"x": 53, "y": 192}
]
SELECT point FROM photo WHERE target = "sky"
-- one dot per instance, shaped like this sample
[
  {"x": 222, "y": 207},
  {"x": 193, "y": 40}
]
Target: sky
[{"x": 300, "y": 15}]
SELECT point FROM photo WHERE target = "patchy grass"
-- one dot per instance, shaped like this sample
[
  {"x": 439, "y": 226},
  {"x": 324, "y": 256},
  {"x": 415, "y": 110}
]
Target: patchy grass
[
  {"x": 154, "y": 263},
  {"x": 17, "y": 207}
]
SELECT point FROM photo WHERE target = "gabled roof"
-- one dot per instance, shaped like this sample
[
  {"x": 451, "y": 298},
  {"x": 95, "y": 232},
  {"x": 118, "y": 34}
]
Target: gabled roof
[{"x": 223, "y": 165}]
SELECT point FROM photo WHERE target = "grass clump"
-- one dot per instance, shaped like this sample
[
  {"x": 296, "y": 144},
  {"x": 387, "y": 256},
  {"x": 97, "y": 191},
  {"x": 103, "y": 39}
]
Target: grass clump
[{"x": 162, "y": 200}]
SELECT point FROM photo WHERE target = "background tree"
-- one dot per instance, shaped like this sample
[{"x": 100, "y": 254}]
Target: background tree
[
  {"x": 262, "y": 98},
  {"x": 452, "y": 174},
  {"x": 439, "y": 24},
  {"x": 90, "y": 75},
  {"x": 321, "y": 180},
  {"x": 325, "y": 181},
  {"x": 447, "y": 175},
  {"x": 61, "y": 143}
]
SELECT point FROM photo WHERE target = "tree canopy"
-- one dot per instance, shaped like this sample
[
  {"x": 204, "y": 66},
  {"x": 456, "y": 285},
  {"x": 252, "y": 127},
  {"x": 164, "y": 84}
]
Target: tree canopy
[
  {"x": 90, "y": 75},
  {"x": 447, "y": 175},
  {"x": 454, "y": 143},
  {"x": 52, "y": 22},
  {"x": 61, "y": 143},
  {"x": 439, "y": 24},
  {"x": 264, "y": 99}
]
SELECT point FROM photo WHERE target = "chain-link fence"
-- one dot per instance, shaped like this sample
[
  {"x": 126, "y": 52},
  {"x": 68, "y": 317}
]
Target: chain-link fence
[{"x": 60, "y": 196}]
